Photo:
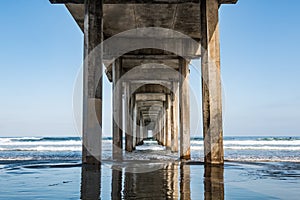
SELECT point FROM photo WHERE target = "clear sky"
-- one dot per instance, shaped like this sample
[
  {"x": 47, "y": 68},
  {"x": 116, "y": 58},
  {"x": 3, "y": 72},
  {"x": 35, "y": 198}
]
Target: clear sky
[{"x": 41, "y": 52}]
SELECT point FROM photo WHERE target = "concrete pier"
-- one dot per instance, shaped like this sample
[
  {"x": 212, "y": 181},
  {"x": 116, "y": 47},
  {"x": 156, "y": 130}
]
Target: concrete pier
[
  {"x": 150, "y": 83},
  {"x": 92, "y": 89},
  {"x": 184, "y": 110},
  {"x": 117, "y": 110},
  {"x": 211, "y": 83}
]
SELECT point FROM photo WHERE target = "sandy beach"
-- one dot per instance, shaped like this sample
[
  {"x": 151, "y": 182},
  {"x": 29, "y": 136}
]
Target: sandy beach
[{"x": 175, "y": 180}]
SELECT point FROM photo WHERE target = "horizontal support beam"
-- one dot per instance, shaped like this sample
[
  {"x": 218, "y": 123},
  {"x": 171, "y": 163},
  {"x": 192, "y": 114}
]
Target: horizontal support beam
[
  {"x": 228, "y": 1},
  {"x": 141, "y": 1},
  {"x": 152, "y": 72},
  {"x": 128, "y": 1},
  {"x": 150, "y": 57},
  {"x": 150, "y": 112},
  {"x": 150, "y": 103},
  {"x": 152, "y": 108},
  {"x": 150, "y": 97},
  {"x": 178, "y": 44}
]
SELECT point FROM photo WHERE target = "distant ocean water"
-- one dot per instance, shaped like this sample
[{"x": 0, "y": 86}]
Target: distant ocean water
[{"x": 69, "y": 148}]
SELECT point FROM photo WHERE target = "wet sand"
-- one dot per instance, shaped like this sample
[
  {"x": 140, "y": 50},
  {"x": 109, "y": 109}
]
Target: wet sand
[{"x": 149, "y": 180}]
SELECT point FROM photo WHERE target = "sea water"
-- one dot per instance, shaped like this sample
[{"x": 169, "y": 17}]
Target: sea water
[
  {"x": 69, "y": 148},
  {"x": 50, "y": 168}
]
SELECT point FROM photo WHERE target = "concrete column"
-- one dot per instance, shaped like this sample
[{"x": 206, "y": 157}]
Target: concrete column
[
  {"x": 168, "y": 122},
  {"x": 145, "y": 130},
  {"x": 158, "y": 130},
  {"x": 162, "y": 127},
  {"x": 117, "y": 110},
  {"x": 138, "y": 131},
  {"x": 211, "y": 83},
  {"x": 174, "y": 118},
  {"x": 92, "y": 89},
  {"x": 128, "y": 119},
  {"x": 164, "y": 133},
  {"x": 184, "y": 110},
  {"x": 142, "y": 134},
  {"x": 134, "y": 127}
]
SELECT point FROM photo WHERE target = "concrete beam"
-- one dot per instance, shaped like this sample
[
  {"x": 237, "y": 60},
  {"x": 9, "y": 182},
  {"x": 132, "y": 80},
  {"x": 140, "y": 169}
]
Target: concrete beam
[
  {"x": 228, "y": 1},
  {"x": 150, "y": 115},
  {"x": 128, "y": 1},
  {"x": 177, "y": 44},
  {"x": 150, "y": 108},
  {"x": 150, "y": 103},
  {"x": 140, "y": 1},
  {"x": 150, "y": 97},
  {"x": 150, "y": 57},
  {"x": 151, "y": 72},
  {"x": 150, "y": 112}
]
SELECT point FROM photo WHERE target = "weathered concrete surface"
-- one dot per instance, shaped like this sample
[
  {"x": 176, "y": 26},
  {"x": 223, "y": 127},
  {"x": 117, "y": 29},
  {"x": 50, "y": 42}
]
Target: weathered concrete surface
[
  {"x": 211, "y": 83},
  {"x": 174, "y": 117},
  {"x": 184, "y": 110},
  {"x": 141, "y": 1},
  {"x": 92, "y": 90},
  {"x": 128, "y": 118},
  {"x": 168, "y": 122},
  {"x": 196, "y": 19},
  {"x": 184, "y": 17},
  {"x": 150, "y": 97},
  {"x": 117, "y": 110}
]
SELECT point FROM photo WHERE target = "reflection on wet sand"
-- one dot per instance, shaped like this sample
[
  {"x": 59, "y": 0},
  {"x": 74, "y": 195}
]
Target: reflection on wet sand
[
  {"x": 173, "y": 181},
  {"x": 214, "y": 182},
  {"x": 185, "y": 182},
  {"x": 90, "y": 181},
  {"x": 116, "y": 184}
]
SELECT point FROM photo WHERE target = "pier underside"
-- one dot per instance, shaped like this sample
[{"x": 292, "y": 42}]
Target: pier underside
[{"x": 146, "y": 48}]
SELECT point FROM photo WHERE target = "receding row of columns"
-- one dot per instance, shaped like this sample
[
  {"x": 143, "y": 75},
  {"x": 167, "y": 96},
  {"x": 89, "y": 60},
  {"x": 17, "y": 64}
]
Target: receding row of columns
[
  {"x": 168, "y": 112},
  {"x": 211, "y": 94}
]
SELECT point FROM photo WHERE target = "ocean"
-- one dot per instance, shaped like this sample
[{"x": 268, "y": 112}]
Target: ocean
[
  {"x": 269, "y": 149},
  {"x": 50, "y": 168}
]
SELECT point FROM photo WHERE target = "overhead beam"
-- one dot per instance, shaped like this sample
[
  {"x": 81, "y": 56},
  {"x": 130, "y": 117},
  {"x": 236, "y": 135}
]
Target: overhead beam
[
  {"x": 150, "y": 97},
  {"x": 128, "y": 1},
  {"x": 228, "y": 1},
  {"x": 140, "y": 1},
  {"x": 150, "y": 112},
  {"x": 150, "y": 103},
  {"x": 152, "y": 108},
  {"x": 150, "y": 57},
  {"x": 154, "y": 73}
]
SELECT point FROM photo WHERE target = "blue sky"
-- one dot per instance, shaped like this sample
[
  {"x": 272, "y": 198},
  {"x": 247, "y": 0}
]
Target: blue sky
[{"x": 41, "y": 53}]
